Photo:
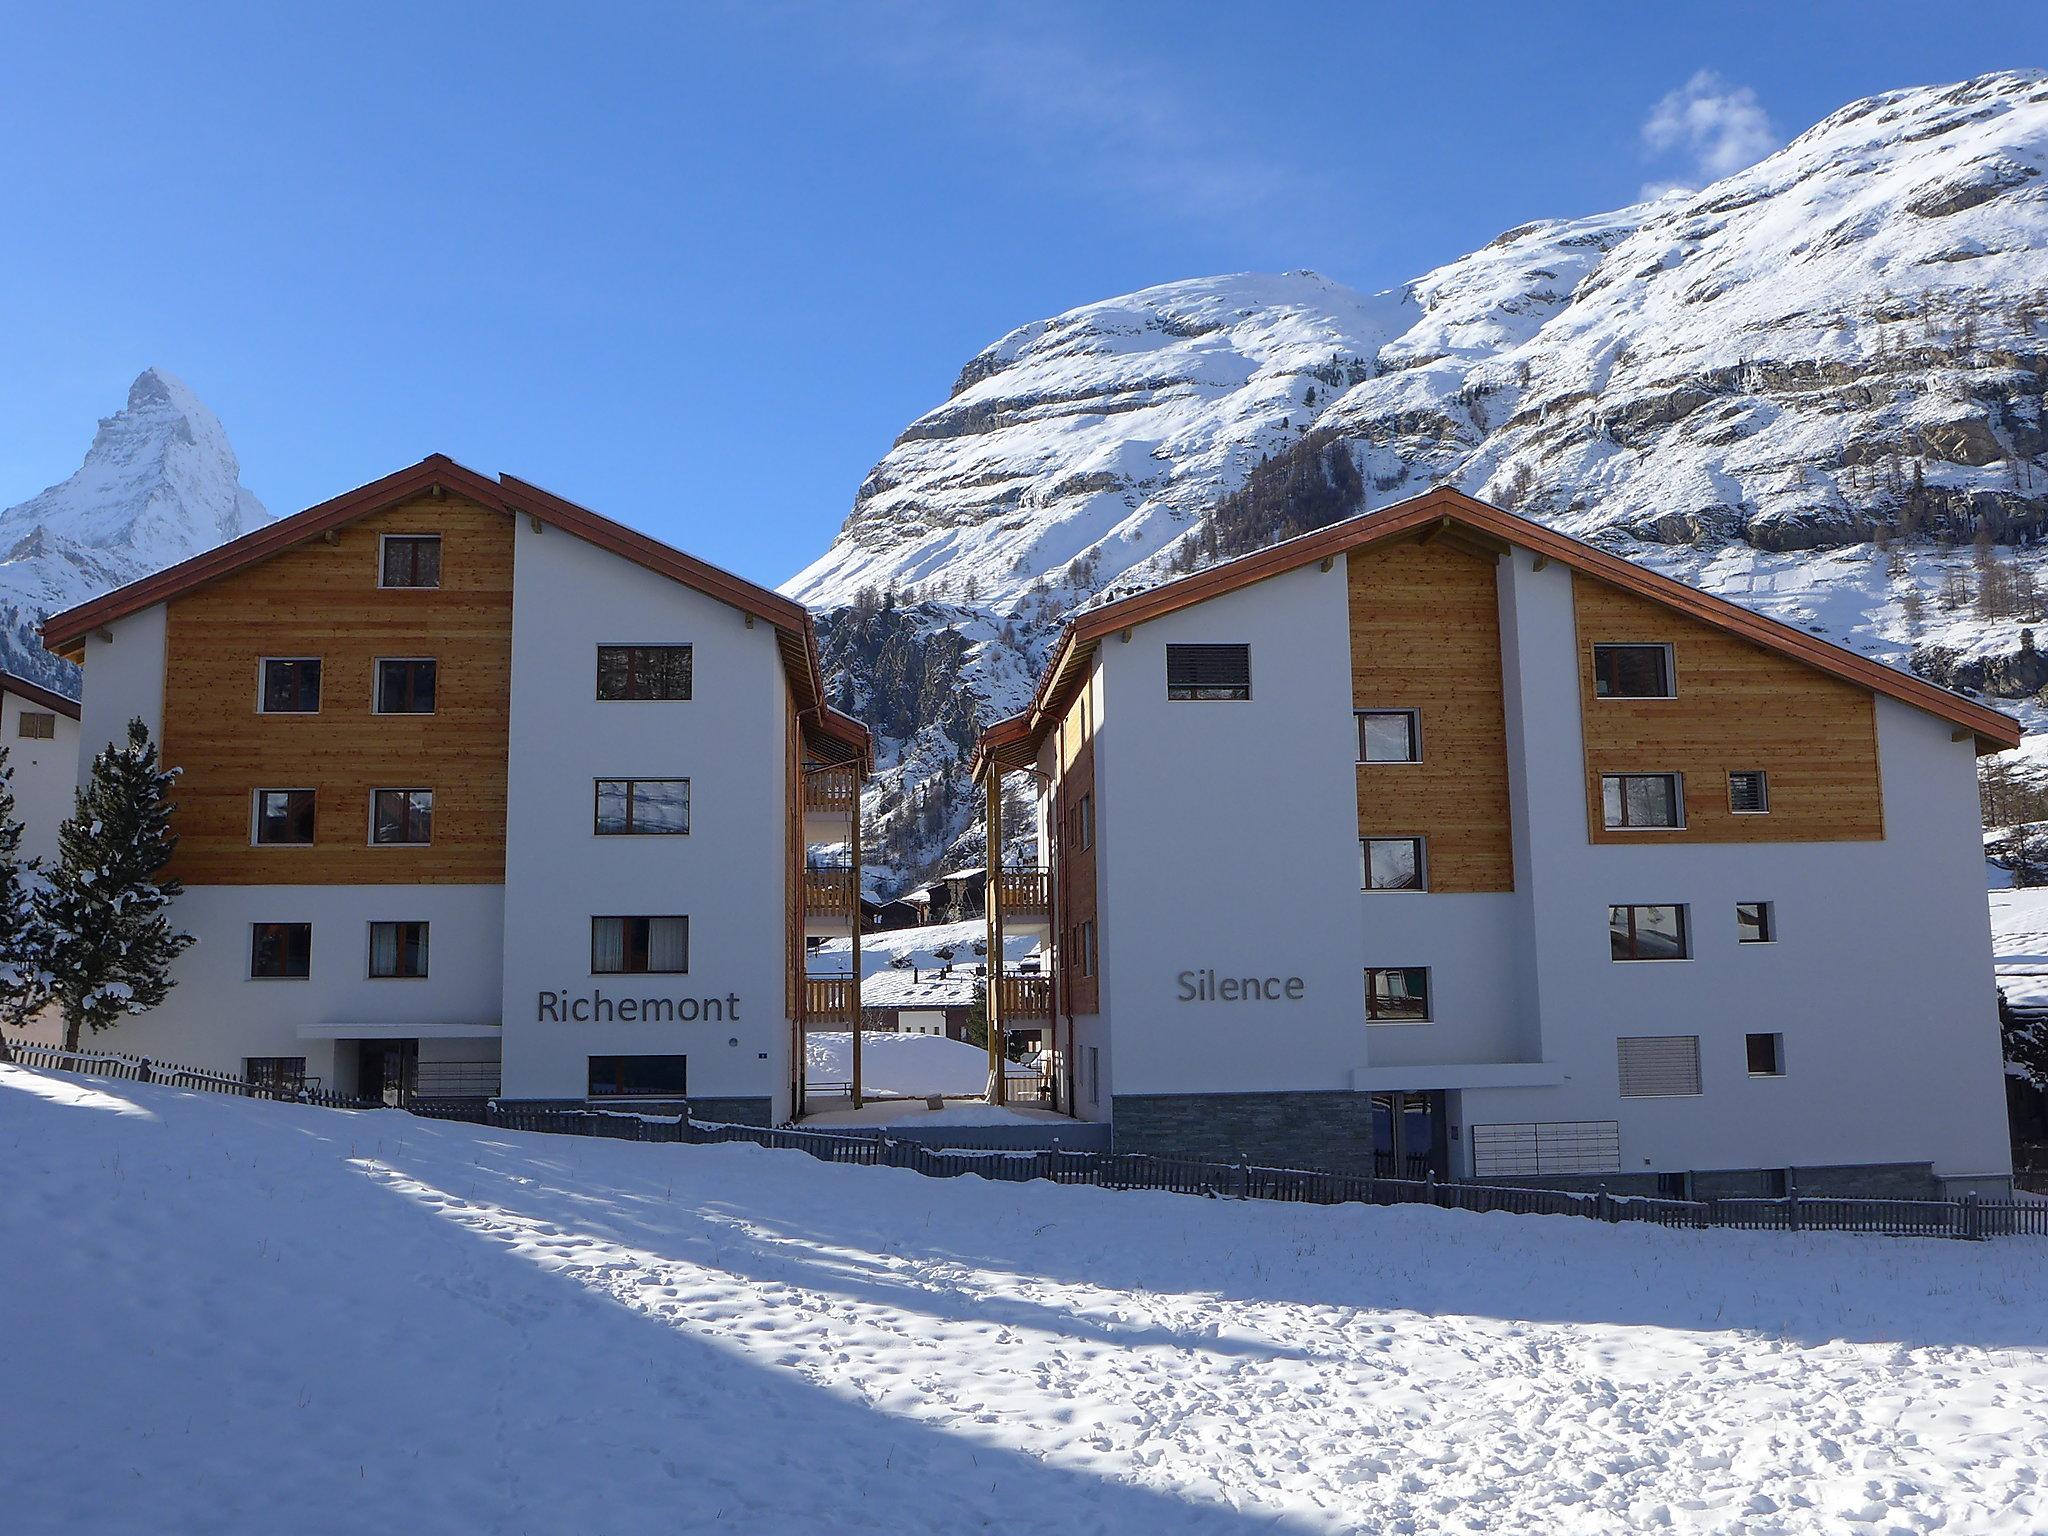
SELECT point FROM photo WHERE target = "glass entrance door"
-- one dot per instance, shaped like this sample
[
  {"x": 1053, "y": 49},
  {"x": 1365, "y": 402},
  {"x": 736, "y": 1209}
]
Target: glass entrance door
[
  {"x": 1410, "y": 1138},
  {"x": 387, "y": 1070}
]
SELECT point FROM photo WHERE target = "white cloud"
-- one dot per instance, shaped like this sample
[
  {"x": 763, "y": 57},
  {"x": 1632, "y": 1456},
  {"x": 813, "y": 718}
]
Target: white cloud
[{"x": 1717, "y": 127}]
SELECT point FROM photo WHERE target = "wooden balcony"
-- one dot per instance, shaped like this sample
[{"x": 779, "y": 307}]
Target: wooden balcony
[
  {"x": 1024, "y": 893},
  {"x": 1024, "y": 999},
  {"x": 829, "y": 893},
  {"x": 829, "y": 1000},
  {"x": 831, "y": 791}
]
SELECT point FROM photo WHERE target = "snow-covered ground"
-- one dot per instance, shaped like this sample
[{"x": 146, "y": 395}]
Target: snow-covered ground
[
  {"x": 226, "y": 1316},
  {"x": 900, "y": 1064},
  {"x": 2019, "y": 937}
]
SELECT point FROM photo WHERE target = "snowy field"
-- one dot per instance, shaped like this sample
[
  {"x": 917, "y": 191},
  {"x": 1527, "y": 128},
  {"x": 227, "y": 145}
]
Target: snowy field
[
  {"x": 241, "y": 1317},
  {"x": 901, "y": 1064}
]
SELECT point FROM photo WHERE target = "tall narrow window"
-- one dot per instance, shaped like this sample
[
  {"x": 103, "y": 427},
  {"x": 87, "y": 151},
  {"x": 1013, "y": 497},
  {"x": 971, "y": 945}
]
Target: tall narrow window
[
  {"x": 1642, "y": 800},
  {"x": 1208, "y": 672},
  {"x": 1749, "y": 792},
  {"x": 643, "y": 807},
  {"x": 643, "y": 671},
  {"x": 1393, "y": 863},
  {"x": 1647, "y": 933},
  {"x": 1397, "y": 995},
  {"x": 284, "y": 816},
  {"x": 398, "y": 950},
  {"x": 411, "y": 560},
  {"x": 290, "y": 685},
  {"x": 1084, "y": 823},
  {"x": 1094, "y": 1074},
  {"x": 1088, "y": 948},
  {"x": 37, "y": 725},
  {"x": 401, "y": 817},
  {"x": 638, "y": 946},
  {"x": 1389, "y": 736},
  {"x": 280, "y": 951},
  {"x": 405, "y": 685},
  {"x": 1632, "y": 672},
  {"x": 1659, "y": 1066}
]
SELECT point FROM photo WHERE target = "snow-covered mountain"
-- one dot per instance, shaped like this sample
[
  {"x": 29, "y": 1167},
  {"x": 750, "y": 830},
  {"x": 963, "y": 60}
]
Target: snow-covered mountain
[
  {"x": 159, "y": 484},
  {"x": 1809, "y": 386}
]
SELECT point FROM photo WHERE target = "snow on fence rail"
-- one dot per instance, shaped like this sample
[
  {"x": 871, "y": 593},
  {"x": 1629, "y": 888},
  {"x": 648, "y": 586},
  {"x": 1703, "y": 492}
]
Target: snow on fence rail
[{"x": 1970, "y": 1217}]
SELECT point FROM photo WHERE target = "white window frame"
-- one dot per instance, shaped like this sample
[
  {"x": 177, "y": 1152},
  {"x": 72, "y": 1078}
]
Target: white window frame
[
  {"x": 256, "y": 813},
  {"x": 1677, "y": 798},
  {"x": 385, "y": 538},
  {"x": 263, "y": 663}
]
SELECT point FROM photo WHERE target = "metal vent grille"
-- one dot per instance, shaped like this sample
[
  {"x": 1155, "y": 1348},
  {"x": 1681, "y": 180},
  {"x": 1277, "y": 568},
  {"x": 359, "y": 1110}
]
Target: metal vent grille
[
  {"x": 1553, "y": 1146},
  {"x": 1747, "y": 793},
  {"x": 1659, "y": 1066},
  {"x": 1208, "y": 671}
]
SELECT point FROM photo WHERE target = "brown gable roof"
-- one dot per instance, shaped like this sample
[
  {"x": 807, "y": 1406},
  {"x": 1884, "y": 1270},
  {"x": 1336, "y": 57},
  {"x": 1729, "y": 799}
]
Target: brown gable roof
[
  {"x": 826, "y": 731},
  {"x": 37, "y": 694},
  {"x": 1014, "y": 742}
]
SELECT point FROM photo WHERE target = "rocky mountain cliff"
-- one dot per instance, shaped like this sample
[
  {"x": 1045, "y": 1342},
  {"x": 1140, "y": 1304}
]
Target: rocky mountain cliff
[
  {"x": 159, "y": 485},
  {"x": 1815, "y": 386}
]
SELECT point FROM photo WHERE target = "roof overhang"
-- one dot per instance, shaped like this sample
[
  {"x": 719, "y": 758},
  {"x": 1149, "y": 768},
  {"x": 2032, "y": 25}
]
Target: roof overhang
[
  {"x": 1487, "y": 532},
  {"x": 37, "y": 694}
]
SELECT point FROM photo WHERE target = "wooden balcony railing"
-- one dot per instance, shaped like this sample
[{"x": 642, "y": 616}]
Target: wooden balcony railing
[
  {"x": 829, "y": 892},
  {"x": 831, "y": 791},
  {"x": 1024, "y": 891},
  {"x": 829, "y": 998},
  {"x": 1023, "y": 998}
]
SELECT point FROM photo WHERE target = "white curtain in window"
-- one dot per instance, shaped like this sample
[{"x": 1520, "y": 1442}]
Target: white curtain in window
[
  {"x": 668, "y": 943},
  {"x": 383, "y": 949},
  {"x": 607, "y": 944}
]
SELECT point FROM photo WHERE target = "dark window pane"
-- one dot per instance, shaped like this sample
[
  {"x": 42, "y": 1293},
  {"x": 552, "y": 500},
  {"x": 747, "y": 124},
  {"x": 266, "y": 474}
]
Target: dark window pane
[
  {"x": 405, "y": 687},
  {"x": 281, "y": 951},
  {"x": 404, "y": 816},
  {"x": 1631, "y": 672},
  {"x": 643, "y": 671},
  {"x": 1399, "y": 995},
  {"x": 1764, "y": 1055},
  {"x": 1208, "y": 672},
  {"x": 647, "y": 1077},
  {"x": 1647, "y": 933},
  {"x": 1386, "y": 736},
  {"x": 279, "y": 1074},
  {"x": 412, "y": 561},
  {"x": 398, "y": 950},
  {"x": 284, "y": 816},
  {"x": 291, "y": 687},
  {"x": 37, "y": 724}
]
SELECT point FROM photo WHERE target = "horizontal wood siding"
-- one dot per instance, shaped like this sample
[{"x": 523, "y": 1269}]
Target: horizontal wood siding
[
  {"x": 1425, "y": 635},
  {"x": 1075, "y": 874},
  {"x": 321, "y": 599},
  {"x": 1738, "y": 707}
]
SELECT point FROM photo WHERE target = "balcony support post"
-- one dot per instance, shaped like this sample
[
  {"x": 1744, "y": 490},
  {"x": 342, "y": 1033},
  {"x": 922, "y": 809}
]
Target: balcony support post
[
  {"x": 853, "y": 981},
  {"x": 992, "y": 907}
]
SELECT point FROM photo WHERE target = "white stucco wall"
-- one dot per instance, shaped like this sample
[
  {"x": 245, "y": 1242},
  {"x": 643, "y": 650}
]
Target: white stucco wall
[
  {"x": 727, "y": 875},
  {"x": 45, "y": 776},
  {"x": 124, "y": 679}
]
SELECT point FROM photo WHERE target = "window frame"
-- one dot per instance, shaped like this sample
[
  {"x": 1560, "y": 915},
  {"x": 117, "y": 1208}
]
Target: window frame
[
  {"x": 1763, "y": 790},
  {"x": 425, "y": 947},
  {"x": 597, "y": 826},
  {"x": 41, "y": 717},
  {"x": 255, "y": 928},
  {"x": 402, "y": 789},
  {"x": 274, "y": 1081},
  {"x": 1421, "y": 843},
  {"x": 1684, "y": 911},
  {"x": 386, "y": 540},
  {"x": 641, "y": 917},
  {"x": 256, "y": 838},
  {"x": 1428, "y": 1015},
  {"x": 1677, "y": 800},
  {"x": 1090, "y": 957},
  {"x": 1777, "y": 1040},
  {"x": 688, "y": 648},
  {"x": 1767, "y": 922},
  {"x": 1414, "y": 717},
  {"x": 1084, "y": 820},
  {"x": 263, "y": 665},
  {"x": 377, "y": 684},
  {"x": 591, "y": 1093},
  {"x": 1189, "y": 693},
  {"x": 1670, "y": 671}
]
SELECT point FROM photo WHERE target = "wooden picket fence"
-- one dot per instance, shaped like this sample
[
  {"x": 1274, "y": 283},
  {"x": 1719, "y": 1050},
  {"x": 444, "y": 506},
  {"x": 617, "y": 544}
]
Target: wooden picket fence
[{"x": 1970, "y": 1217}]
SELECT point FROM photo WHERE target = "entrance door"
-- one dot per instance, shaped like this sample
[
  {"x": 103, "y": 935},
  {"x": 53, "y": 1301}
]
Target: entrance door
[
  {"x": 1410, "y": 1137},
  {"x": 387, "y": 1070}
]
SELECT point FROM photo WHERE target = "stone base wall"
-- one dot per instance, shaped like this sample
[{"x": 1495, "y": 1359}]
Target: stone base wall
[
  {"x": 733, "y": 1111},
  {"x": 1330, "y": 1131}
]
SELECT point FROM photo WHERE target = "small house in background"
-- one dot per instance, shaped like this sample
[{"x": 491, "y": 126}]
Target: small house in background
[
  {"x": 919, "y": 1002},
  {"x": 888, "y": 916},
  {"x": 39, "y": 729}
]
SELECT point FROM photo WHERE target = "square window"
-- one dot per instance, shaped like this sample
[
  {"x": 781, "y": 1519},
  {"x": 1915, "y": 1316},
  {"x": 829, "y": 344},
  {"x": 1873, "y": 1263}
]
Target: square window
[
  {"x": 290, "y": 686},
  {"x": 1755, "y": 923},
  {"x": 1389, "y": 736},
  {"x": 1647, "y": 933},
  {"x": 643, "y": 807},
  {"x": 1398, "y": 995},
  {"x": 280, "y": 951},
  {"x": 1393, "y": 863},
  {"x": 1749, "y": 792},
  {"x": 398, "y": 950},
  {"x": 639, "y": 1077},
  {"x": 644, "y": 671},
  {"x": 1208, "y": 672},
  {"x": 1766, "y": 1055},
  {"x": 1632, "y": 672},
  {"x": 37, "y": 725},
  {"x": 284, "y": 817},
  {"x": 639, "y": 946},
  {"x": 410, "y": 560},
  {"x": 401, "y": 817},
  {"x": 405, "y": 685},
  {"x": 1642, "y": 800}
]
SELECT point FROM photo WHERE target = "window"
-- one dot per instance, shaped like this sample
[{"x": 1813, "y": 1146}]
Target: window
[
  {"x": 1632, "y": 672},
  {"x": 278, "y": 1074},
  {"x": 1397, "y": 996},
  {"x": 639, "y": 946},
  {"x": 398, "y": 950},
  {"x": 411, "y": 560},
  {"x": 38, "y": 725},
  {"x": 643, "y": 671},
  {"x": 1749, "y": 794},
  {"x": 639, "y": 1077},
  {"x": 1208, "y": 671},
  {"x": 284, "y": 816},
  {"x": 1659, "y": 1066},
  {"x": 291, "y": 685},
  {"x": 1084, "y": 823},
  {"x": 643, "y": 807},
  {"x": 1766, "y": 1055},
  {"x": 1088, "y": 948},
  {"x": 405, "y": 685},
  {"x": 280, "y": 951},
  {"x": 1755, "y": 923},
  {"x": 1389, "y": 736},
  {"x": 1637, "y": 800},
  {"x": 1647, "y": 933},
  {"x": 1094, "y": 1074},
  {"x": 1393, "y": 863},
  {"x": 401, "y": 816}
]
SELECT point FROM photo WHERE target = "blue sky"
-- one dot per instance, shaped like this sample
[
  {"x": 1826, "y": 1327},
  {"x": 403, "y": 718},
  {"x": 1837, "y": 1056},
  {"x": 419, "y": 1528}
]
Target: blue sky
[{"x": 696, "y": 266}]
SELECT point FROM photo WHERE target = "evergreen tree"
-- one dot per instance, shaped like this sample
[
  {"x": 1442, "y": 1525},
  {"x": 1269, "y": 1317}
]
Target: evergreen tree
[
  {"x": 24, "y": 975},
  {"x": 110, "y": 941}
]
